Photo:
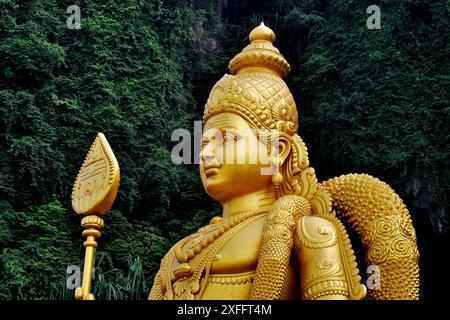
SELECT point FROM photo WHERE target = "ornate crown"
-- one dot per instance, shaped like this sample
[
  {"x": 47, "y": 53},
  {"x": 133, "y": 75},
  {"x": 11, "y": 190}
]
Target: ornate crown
[{"x": 256, "y": 90}]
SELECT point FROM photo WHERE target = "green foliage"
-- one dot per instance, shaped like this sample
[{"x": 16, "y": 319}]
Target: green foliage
[
  {"x": 111, "y": 284},
  {"x": 43, "y": 246},
  {"x": 115, "y": 285},
  {"x": 129, "y": 73}
]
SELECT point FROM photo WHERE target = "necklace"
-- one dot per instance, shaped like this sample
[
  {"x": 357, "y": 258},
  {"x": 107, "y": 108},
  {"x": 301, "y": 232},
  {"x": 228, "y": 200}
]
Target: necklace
[
  {"x": 208, "y": 234},
  {"x": 185, "y": 281}
]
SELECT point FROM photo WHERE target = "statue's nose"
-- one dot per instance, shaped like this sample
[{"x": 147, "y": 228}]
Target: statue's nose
[{"x": 208, "y": 151}]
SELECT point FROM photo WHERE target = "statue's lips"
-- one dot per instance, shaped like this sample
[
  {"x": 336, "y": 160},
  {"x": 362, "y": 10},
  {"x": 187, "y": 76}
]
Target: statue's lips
[
  {"x": 211, "y": 172},
  {"x": 211, "y": 168}
]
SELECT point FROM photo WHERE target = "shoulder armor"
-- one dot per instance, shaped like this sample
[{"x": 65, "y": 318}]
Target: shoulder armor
[{"x": 326, "y": 259}]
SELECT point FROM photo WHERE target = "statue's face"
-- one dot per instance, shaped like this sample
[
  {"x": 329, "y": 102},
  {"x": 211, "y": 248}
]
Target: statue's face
[{"x": 233, "y": 161}]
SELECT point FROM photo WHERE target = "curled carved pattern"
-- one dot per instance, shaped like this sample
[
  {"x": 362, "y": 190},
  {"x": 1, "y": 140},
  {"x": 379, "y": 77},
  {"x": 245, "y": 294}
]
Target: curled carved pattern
[
  {"x": 323, "y": 236},
  {"x": 278, "y": 234},
  {"x": 384, "y": 227},
  {"x": 325, "y": 268},
  {"x": 336, "y": 272},
  {"x": 380, "y": 219},
  {"x": 377, "y": 253},
  {"x": 390, "y": 239}
]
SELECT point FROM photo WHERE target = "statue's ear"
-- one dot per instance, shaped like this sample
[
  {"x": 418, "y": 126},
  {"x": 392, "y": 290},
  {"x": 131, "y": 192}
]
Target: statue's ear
[{"x": 281, "y": 149}]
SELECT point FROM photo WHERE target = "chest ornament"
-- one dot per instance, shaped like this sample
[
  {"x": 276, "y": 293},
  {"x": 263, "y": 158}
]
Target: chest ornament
[{"x": 186, "y": 278}]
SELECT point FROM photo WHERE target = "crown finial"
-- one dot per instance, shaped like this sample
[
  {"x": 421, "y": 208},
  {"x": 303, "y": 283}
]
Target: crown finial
[
  {"x": 260, "y": 55},
  {"x": 262, "y": 32}
]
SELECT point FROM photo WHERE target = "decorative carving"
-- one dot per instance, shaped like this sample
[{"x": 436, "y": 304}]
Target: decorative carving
[
  {"x": 93, "y": 194},
  {"x": 162, "y": 280},
  {"x": 156, "y": 292},
  {"x": 322, "y": 235},
  {"x": 276, "y": 246},
  {"x": 207, "y": 235},
  {"x": 237, "y": 94},
  {"x": 325, "y": 267},
  {"x": 233, "y": 279},
  {"x": 384, "y": 225},
  {"x": 327, "y": 260},
  {"x": 97, "y": 182},
  {"x": 321, "y": 202},
  {"x": 188, "y": 281}
]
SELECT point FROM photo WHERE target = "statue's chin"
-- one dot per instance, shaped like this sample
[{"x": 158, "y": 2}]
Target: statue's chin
[{"x": 217, "y": 188}]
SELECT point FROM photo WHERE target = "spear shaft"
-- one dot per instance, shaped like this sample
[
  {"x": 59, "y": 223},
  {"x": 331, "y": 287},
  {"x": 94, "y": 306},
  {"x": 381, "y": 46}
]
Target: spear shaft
[{"x": 92, "y": 225}]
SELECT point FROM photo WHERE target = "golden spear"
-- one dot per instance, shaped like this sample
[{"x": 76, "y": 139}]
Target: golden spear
[{"x": 93, "y": 194}]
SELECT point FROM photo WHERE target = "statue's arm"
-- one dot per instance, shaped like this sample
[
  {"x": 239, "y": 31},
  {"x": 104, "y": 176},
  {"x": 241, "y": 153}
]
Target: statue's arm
[{"x": 326, "y": 261}]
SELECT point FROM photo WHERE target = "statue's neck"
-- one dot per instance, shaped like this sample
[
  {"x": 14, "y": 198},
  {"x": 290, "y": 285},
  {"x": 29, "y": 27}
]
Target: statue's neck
[{"x": 260, "y": 200}]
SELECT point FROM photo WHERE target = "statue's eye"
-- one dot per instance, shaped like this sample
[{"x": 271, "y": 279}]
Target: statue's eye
[
  {"x": 229, "y": 137},
  {"x": 204, "y": 142}
]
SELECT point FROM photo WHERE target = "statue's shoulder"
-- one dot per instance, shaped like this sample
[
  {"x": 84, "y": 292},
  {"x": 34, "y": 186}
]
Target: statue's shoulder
[
  {"x": 180, "y": 243},
  {"x": 317, "y": 231},
  {"x": 327, "y": 260},
  {"x": 310, "y": 228},
  {"x": 292, "y": 203},
  {"x": 291, "y": 206},
  {"x": 168, "y": 257}
]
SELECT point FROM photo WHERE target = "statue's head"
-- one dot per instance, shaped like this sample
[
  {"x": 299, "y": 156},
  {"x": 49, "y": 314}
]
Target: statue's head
[{"x": 251, "y": 125}]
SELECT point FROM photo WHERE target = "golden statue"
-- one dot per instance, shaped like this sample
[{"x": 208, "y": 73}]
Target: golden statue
[{"x": 280, "y": 235}]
